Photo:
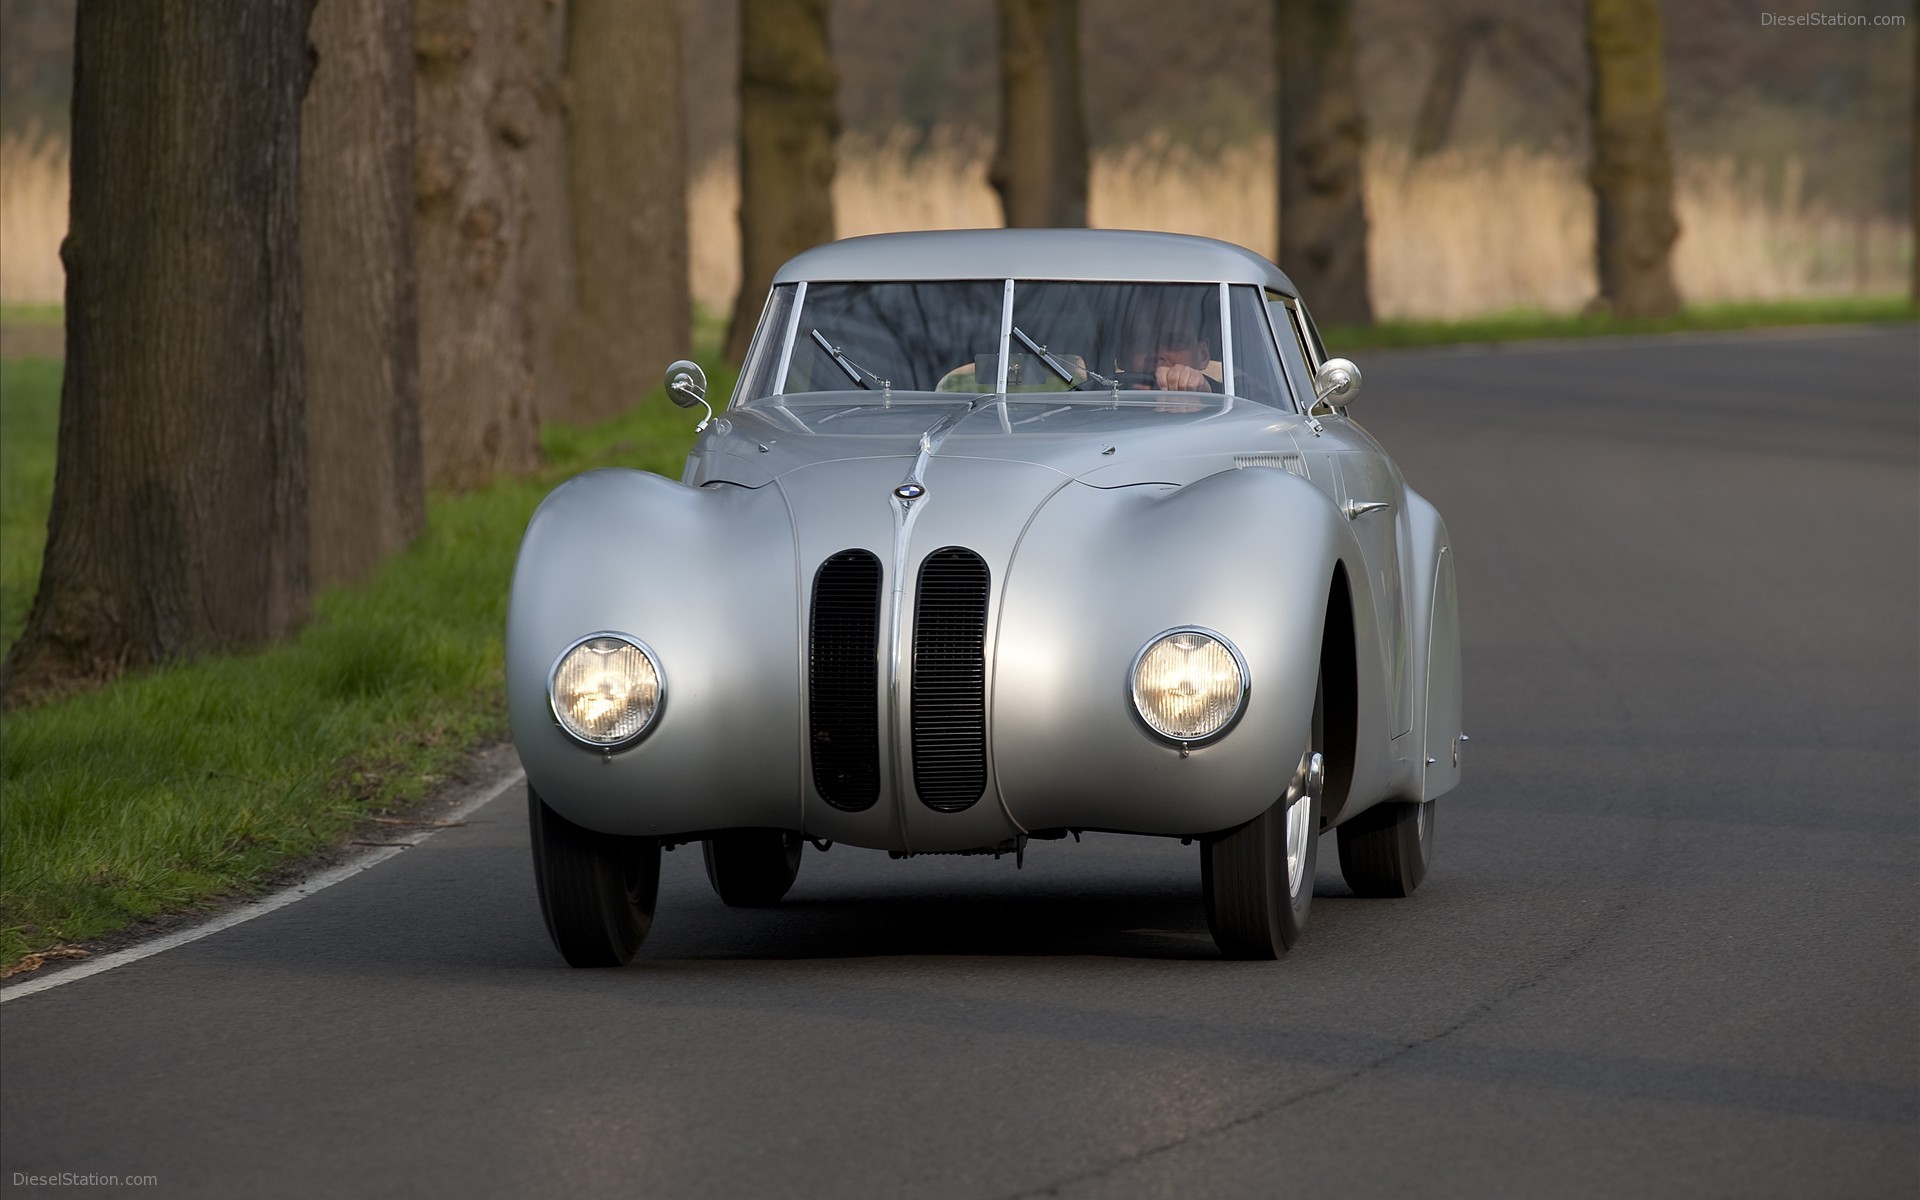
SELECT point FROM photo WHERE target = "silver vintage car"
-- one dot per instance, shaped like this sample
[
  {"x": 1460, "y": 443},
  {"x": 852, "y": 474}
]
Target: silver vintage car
[{"x": 1003, "y": 535}]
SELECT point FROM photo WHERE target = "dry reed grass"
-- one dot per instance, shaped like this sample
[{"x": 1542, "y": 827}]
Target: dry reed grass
[
  {"x": 33, "y": 218},
  {"x": 1741, "y": 240},
  {"x": 1454, "y": 235},
  {"x": 1460, "y": 234},
  {"x": 880, "y": 185}
]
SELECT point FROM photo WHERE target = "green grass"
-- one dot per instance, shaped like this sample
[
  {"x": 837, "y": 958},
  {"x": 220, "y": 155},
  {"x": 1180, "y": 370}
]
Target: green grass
[
  {"x": 1527, "y": 325},
  {"x": 31, "y": 314},
  {"x": 29, "y": 418},
  {"x": 180, "y": 785}
]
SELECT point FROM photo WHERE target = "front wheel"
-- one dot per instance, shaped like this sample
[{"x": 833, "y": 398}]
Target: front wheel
[
  {"x": 1258, "y": 879},
  {"x": 752, "y": 868},
  {"x": 597, "y": 890},
  {"x": 1385, "y": 850}
]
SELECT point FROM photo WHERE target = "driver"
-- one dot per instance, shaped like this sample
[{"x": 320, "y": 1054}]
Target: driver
[{"x": 1165, "y": 351}]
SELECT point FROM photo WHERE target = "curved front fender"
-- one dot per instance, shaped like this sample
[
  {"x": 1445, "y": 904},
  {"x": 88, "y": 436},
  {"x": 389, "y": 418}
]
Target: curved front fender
[
  {"x": 1099, "y": 573},
  {"x": 705, "y": 577}
]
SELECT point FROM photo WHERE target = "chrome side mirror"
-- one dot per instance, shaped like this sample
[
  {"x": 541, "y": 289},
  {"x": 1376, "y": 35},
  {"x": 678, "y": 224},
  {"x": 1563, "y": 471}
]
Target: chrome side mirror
[
  {"x": 687, "y": 386},
  {"x": 1336, "y": 383},
  {"x": 686, "y": 383}
]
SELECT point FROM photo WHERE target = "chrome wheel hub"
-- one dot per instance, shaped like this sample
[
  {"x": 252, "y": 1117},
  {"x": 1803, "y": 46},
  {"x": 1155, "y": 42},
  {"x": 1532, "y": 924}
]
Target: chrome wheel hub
[{"x": 1310, "y": 779}]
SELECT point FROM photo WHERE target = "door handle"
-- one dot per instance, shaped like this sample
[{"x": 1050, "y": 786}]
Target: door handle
[{"x": 1359, "y": 508}]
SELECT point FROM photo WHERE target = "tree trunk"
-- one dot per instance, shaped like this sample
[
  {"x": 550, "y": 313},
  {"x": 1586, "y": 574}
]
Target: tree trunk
[
  {"x": 1323, "y": 134},
  {"x": 1913, "y": 168},
  {"x": 787, "y": 128},
  {"x": 179, "y": 521},
  {"x": 627, "y": 152},
  {"x": 1440, "y": 103},
  {"x": 1040, "y": 165},
  {"x": 1632, "y": 167},
  {"x": 366, "y": 497},
  {"x": 476, "y": 113},
  {"x": 547, "y": 265}
]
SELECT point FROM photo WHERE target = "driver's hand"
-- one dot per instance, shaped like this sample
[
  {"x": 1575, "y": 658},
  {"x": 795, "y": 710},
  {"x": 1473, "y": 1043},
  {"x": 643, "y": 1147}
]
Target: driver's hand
[{"x": 1175, "y": 378}]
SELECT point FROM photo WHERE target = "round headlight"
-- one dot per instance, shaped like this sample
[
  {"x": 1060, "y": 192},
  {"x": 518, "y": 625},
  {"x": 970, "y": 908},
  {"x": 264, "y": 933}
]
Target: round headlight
[
  {"x": 606, "y": 689},
  {"x": 1189, "y": 684}
]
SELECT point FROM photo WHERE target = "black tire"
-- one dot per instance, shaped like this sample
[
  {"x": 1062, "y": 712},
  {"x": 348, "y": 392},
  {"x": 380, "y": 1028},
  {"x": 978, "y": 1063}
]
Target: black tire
[
  {"x": 1256, "y": 909},
  {"x": 752, "y": 868},
  {"x": 1385, "y": 850},
  {"x": 597, "y": 890}
]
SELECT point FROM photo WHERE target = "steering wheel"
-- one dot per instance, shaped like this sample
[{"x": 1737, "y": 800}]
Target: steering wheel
[
  {"x": 1142, "y": 381},
  {"x": 1126, "y": 381}
]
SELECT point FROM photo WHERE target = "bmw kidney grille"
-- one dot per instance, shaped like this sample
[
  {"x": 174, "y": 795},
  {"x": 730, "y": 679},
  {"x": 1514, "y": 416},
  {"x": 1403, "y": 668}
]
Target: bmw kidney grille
[
  {"x": 843, "y": 687},
  {"x": 948, "y": 696},
  {"x": 950, "y": 680}
]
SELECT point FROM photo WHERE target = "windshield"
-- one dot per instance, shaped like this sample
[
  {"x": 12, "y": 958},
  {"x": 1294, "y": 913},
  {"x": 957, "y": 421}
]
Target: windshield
[
  {"x": 1134, "y": 336},
  {"x": 950, "y": 337},
  {"x": 903, "y": 336}
]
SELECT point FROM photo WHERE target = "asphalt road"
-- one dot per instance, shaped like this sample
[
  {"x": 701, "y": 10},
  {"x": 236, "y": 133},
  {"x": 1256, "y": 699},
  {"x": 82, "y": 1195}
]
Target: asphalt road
[{"x": 1669, "y": 946}]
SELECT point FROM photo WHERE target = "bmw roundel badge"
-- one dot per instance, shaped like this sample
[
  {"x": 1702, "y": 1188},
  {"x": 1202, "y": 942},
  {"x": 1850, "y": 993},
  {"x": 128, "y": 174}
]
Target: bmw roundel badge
[{"x": 909, "y": 491}]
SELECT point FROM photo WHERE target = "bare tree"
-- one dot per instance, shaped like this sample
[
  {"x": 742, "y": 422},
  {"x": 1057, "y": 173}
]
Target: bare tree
[
  {"x": 787, "y": 128},
  {"x": 1323, "y": 134},
  {"x": 1632, "y": 170},
  {"x": 179, "y": 522},
  {"x": 1459, "y": 36},
  {"x": 1040, "y": 165},
  {"x": 366, "y": 497},
  {"x": 476, "y": 112},
  {"x": 627, "y": 168}
]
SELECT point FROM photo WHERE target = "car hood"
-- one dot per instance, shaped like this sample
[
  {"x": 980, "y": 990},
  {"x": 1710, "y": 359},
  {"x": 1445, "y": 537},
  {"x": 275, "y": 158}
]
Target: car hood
[{"x": 1144, "y": 437}]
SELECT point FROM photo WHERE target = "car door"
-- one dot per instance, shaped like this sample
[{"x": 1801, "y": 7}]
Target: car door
[{"x": 1367, "y": 489}]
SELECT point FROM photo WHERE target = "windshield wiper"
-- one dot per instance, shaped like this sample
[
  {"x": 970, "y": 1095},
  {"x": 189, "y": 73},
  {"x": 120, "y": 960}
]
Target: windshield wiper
[
  {"x": 1058, "y": 368},
  {"x": 855, "y": 371}
]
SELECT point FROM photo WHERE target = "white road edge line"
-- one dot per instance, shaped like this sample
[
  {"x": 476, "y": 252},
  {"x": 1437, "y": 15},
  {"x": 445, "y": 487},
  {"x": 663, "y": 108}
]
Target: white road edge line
[{"x": 271, "y": 903}]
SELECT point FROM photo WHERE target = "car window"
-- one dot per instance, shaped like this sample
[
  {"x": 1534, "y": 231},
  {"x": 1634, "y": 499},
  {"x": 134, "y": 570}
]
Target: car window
[
  {"x": 900, "y": 336},
  {"x": 1297, "y": 319},
  {"x": 1320, "y": 354},
  {"x": 761, "y": 373},
  {"x": 1063, "y": 336},
  {"x": 1293, "y": 351},
  {"x": 1124, "y": 334},
  {"x": 1256, "y": 365}
]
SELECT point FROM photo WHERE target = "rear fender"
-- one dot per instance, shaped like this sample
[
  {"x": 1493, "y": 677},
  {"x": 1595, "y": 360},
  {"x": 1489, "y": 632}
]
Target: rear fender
[
  {"x": 1435, "y": 626},
  {"x": 1444, "y": 712}
]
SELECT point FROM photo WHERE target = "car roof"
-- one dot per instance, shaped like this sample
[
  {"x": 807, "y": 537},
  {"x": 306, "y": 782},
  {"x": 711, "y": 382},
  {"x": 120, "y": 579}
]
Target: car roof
[{"x": 1120, "y": 255}]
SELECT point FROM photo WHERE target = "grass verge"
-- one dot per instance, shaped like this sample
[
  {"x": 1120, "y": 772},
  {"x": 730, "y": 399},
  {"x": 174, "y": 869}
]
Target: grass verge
[
  {"x": 180, "y": 785},
  {"x": 1530, "y": 326},
  {"x": 29, "y": 419},
  {"x": 31, "y": 314}
]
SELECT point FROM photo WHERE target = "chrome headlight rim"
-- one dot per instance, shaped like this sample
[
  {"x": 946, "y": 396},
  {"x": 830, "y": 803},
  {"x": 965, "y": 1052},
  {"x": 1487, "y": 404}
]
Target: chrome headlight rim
[
  {"x": 660, "y": 691},
  {"x": 1133, "y": 698}
]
